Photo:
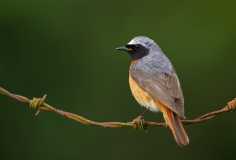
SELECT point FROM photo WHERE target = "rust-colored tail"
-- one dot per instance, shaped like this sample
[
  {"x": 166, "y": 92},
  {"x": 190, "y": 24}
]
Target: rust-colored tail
[{"x": 176, "y": 127}]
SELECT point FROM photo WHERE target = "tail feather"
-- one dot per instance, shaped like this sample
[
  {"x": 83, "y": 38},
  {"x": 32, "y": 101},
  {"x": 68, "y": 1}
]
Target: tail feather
[{"x": 174, "y": 123}]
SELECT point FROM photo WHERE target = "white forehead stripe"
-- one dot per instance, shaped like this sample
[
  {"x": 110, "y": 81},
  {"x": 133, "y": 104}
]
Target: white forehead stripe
[{"x": 145, "y": 41}]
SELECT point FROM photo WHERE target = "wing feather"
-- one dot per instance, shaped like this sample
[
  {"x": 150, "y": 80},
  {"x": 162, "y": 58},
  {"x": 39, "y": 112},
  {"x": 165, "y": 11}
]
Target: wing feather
[{"x": 163, "y": 86}]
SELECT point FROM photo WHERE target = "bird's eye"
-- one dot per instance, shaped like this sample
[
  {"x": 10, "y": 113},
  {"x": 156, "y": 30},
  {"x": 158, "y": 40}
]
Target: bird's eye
[
  {"x": 137, "y": 46},
  {"x": 133, "y": 46}
]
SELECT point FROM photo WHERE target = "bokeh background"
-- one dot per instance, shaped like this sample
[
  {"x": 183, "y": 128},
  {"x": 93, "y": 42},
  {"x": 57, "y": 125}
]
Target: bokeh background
[{"x": 66, "y": 50}]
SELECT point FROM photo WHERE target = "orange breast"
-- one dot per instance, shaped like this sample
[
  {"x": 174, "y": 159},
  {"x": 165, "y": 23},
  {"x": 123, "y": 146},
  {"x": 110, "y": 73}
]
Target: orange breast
[{"x": 141, "y": 96}]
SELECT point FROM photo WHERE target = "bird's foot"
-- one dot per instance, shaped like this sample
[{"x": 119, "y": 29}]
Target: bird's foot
[
  {"x": 139, "y": 123},
  {"x": 232, "y": 104}
]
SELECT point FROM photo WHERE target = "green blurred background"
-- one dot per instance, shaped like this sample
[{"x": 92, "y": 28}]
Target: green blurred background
[{"x": 66, "y": 50}]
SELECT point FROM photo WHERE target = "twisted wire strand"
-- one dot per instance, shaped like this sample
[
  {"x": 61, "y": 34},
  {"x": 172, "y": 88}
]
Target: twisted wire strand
[{"x": 39, "y": 104}]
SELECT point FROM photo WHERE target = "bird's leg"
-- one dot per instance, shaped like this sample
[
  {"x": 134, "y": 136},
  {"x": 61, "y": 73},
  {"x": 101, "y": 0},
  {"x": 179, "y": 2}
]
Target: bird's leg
[
  {"x": 142, "y": 114},
  {"x": 139, "y": 120}
]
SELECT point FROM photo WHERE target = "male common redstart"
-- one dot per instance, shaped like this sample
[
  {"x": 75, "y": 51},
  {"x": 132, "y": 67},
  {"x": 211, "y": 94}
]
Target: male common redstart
[{"x": 155, "y": 84}]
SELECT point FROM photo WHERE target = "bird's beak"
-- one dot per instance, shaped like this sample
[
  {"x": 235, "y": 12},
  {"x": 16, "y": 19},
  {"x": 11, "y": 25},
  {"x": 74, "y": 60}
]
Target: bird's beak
[{"x": 123, "y": 48}]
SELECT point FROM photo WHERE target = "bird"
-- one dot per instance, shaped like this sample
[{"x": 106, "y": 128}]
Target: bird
[{"x": 155, "y": 85}]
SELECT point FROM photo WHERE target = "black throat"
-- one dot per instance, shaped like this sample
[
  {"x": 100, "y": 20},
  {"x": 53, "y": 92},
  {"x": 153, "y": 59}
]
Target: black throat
[{"x": 138, "y": 51}]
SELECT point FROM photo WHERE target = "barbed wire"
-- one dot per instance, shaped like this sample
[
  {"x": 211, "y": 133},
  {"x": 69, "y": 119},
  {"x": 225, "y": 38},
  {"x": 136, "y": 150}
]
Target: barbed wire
[{"x": 40, "y": 105}]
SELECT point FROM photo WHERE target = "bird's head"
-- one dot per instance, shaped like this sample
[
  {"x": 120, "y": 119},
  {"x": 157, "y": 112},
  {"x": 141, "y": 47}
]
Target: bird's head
[{"x": 138, "y": 47}]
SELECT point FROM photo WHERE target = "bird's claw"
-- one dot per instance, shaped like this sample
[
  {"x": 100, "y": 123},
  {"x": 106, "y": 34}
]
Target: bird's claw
[
  {"x": 232, "y": 104},
  {"x": 139, "y": 123}
]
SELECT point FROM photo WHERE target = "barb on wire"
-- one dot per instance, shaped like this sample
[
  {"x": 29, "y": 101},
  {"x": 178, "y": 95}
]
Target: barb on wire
[{"x": 40, "y": 105}]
